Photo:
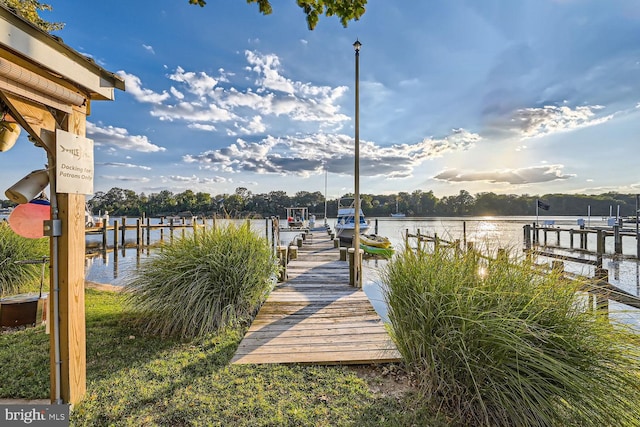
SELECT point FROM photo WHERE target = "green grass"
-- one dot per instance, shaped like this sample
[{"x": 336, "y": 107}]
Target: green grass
[
  {"x": 203, "y": 282},
  {"x": 495, "y": 344},
  {"x": 17, "y": 278},
  {"x": 138, "y": 380}
]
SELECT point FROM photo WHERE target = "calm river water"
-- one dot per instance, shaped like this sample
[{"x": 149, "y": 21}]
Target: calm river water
[{"x": 486, "y": 232}]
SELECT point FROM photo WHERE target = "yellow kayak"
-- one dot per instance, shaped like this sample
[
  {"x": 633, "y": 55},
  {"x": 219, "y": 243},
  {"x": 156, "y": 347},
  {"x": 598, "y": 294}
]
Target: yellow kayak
[{"x": 375, "y": 241}]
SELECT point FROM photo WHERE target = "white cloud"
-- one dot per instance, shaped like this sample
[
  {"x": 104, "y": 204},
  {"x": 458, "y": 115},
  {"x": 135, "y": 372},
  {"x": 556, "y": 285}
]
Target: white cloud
[
  {"x": 303, "y": 155},
  {"x": 125, "y": 178},
  {"x": 530, "y": 175},
  {"x": 201, "y": 99},
  {"x": 537, "y": 122},
  {"x": 148, "y": 48},
  {"x": 199, "y": 84},
  {"x": 193, "y": 179},
  {"x": 119, "y": 138},
  {"x": 134, "y": 87},
  {"x": 123, "y": 165},
  {"x": 199, "y": 126}
]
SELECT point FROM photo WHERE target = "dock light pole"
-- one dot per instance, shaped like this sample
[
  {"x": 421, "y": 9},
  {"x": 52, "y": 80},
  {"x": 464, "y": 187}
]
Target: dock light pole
[{"x": 356, "y": 172}]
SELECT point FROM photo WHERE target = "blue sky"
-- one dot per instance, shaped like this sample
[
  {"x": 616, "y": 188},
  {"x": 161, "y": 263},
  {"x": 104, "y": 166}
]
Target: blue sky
[{"x": 516, "y": 97}]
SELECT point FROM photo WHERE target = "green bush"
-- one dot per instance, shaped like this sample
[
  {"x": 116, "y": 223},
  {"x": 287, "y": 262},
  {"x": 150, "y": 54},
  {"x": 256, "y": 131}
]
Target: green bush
[
  {"x": 203, "y": 282},
  {"x": 17, "y": 278},
  {"x": 495, "y": 344}
]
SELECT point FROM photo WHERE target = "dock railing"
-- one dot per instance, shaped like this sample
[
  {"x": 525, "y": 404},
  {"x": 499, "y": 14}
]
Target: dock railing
[{"x": 598, "y": 286}]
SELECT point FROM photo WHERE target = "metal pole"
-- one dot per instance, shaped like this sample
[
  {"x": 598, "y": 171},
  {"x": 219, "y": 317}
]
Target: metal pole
[
  {"x": 356, "y": 230},
  {"x": 325, "y": 193}
]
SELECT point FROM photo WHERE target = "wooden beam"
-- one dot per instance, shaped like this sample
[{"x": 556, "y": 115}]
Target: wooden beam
[
  {"x": 70, "y": 254},
  {"x": 33, "y": 117}
]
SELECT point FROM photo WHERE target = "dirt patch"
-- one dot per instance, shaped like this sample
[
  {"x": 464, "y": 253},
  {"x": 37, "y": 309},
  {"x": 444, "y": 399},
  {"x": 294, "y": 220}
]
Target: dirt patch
[
  {"x": 388, "y": 380},
  {"x": 102, "y": 286}
]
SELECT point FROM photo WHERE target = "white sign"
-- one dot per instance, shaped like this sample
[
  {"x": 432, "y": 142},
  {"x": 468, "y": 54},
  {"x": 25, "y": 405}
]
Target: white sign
[{"x": 74, "y": 163}]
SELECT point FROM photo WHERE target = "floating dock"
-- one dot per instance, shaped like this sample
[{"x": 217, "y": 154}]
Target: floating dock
[{"x": 316, "y": 317}]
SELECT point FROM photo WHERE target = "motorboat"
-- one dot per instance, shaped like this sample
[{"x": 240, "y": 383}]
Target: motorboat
[
  {"x": 375, "y": 241},
  {"x": 297, "y": 217},
  {"x": 345, "y": 222}
]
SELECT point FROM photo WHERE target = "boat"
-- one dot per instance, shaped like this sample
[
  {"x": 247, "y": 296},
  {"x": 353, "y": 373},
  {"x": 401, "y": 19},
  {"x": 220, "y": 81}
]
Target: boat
[
  {"x": 89, "y": 220},
  {"x": 297, "y": 217},
  {"x": 345, "y": 223},
  {"x": 375, "y": 250},
  {"x": 375, "y": 240},
  {"x": 397, "y": 213}
]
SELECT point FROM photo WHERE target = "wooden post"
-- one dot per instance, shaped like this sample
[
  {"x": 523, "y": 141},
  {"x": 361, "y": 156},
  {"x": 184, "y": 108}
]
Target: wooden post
[
  {"x": 148, "y": 231},
  {"x": 602, "y": 302},
  {"x": 72, "y": 329},
  {"x": 351, "y": 255},
  {"x": 115, "y": 235},
  {"x": 293, "y": 252},
  {"x": 104, "y": 235},
  {"x": 617, "y": 239},
  {"x": 124, "y": 230},
  {"x": 583, "y": 238},
  {"x": 138, "y": 233},
  {"x": 282, "y": 257},
  {"x": 544, "y": 233},
  {"x": 599, "y": 248},
  {"x": 558, "y": 237},
  {"x": 464, "y": 232},
  {"x": 343, "y": 253},
  {"x": 527, "y": 237},
  {"x": 376, "y": 226},
  {"x": 571, "y": 239},
  {"x": 336, "y": 243},
  {"x": 171, "y": 230}
]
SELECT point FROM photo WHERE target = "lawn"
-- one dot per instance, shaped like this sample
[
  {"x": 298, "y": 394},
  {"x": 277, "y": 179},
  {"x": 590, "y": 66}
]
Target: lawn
[{"x": 138, "y": 380}]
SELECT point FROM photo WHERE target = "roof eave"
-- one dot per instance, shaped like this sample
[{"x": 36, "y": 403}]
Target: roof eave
[{"x": 25, "y": 39}]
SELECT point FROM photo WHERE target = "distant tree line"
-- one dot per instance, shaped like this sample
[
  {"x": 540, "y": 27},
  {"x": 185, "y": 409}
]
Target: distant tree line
[{"x": 243, "y": 203}]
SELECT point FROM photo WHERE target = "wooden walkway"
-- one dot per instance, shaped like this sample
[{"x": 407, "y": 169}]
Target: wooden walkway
[{"x": 315, "y": 317}]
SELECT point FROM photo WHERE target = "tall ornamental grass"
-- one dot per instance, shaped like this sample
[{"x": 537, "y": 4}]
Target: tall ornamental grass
[
  {"x": 17, "y": 278},
  {"x": 203, "y": 282},
  {"x": 495, "y": 344}
]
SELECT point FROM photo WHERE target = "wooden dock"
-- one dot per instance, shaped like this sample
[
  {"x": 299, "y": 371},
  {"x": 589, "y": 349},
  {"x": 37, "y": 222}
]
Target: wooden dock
[{"x": 315, "y": 317}]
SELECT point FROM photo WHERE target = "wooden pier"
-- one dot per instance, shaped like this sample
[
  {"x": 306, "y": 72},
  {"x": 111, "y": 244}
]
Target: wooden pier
[{"x": 316, "y": 317}]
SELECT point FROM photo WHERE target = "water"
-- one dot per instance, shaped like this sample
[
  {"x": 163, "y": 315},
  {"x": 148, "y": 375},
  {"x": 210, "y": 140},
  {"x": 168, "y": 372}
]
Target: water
[
  {"x": 489, "y": 233},
  {"x": 492, "y": 233}
]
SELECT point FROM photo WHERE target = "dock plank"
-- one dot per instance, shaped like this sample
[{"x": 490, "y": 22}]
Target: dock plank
[{"x": 315, "y": 317}]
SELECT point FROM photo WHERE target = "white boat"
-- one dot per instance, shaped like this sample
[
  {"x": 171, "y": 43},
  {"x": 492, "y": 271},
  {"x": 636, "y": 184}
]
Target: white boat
[
  {"x": 398, "y": 214},
  {"x": 345, "y": 223}
]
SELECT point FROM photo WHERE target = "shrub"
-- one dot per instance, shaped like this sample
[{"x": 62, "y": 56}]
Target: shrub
[
  {"x": 203, "y": 282},
  {"x": 496, "y": 344},
  {"x": 16, "y": 278}
]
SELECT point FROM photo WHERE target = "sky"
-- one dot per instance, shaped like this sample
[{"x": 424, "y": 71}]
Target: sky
[{"x": 505, "y": 96}]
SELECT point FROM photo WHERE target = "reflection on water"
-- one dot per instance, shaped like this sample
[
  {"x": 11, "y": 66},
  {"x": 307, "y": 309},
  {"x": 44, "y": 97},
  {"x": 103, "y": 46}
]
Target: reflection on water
[{"x": 486, "y": 233}]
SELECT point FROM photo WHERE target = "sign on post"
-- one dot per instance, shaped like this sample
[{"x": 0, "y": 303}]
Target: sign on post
[{"x": 74, "y": 163}]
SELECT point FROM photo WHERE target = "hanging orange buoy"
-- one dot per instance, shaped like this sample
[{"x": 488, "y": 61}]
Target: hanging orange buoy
[{"x": 27, "y": 219}]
